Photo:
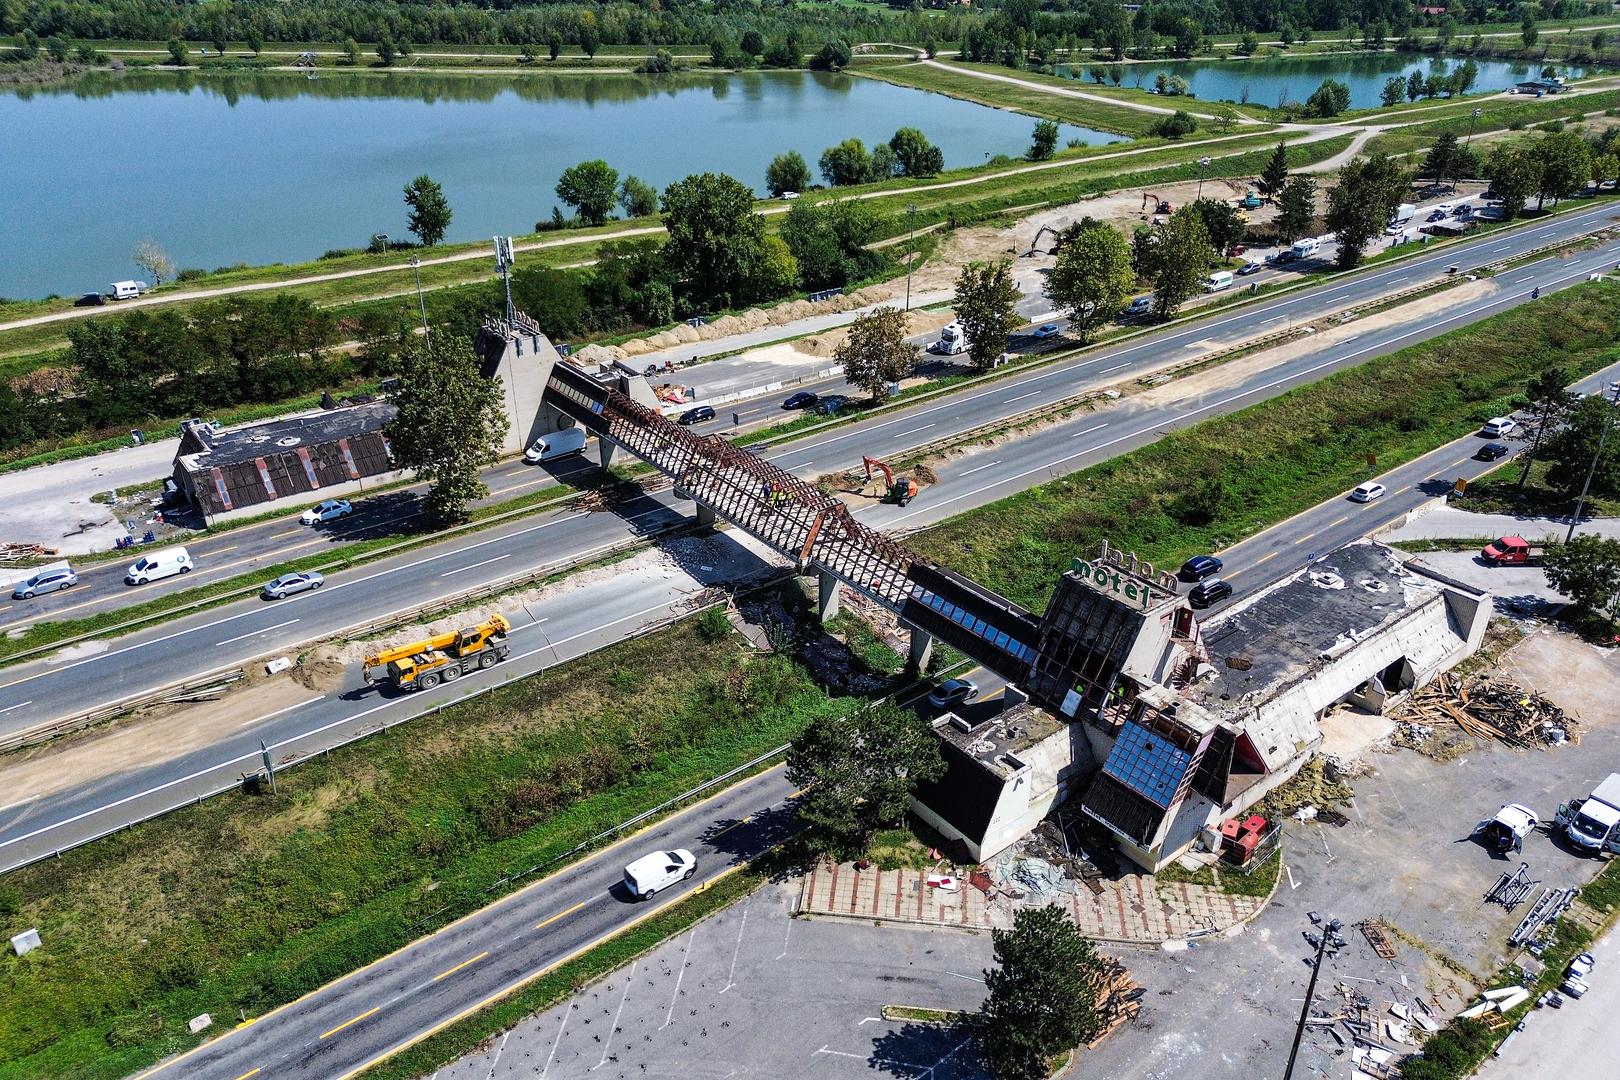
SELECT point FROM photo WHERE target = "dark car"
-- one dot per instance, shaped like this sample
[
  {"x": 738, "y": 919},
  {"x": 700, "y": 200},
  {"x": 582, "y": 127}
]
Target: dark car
[
  {"x": 1285, "y": 256},
  {"x": 697, "y": 415},
  {"x": 1200, "y": 567},
  {"x": 804, "y": 399},
  {"x": 1436, "y": 215},
  {"x": 1492, "y": 451},
  {"x": 1208, "y": 592},
  {"x": 90, "y": 299}
]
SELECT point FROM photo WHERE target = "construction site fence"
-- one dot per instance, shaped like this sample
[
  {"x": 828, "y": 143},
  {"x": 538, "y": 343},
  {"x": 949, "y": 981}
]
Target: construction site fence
[{"x": 362, "y": 732}]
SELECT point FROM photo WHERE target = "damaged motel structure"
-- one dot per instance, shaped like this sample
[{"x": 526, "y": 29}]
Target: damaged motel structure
[{"x": 1163, "y": 726}]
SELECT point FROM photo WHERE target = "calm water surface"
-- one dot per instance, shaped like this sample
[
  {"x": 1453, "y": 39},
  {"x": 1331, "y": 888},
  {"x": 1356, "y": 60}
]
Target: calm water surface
[
  {"x": 271, "y": 167},
  {"x": 1282, "y": 78}
]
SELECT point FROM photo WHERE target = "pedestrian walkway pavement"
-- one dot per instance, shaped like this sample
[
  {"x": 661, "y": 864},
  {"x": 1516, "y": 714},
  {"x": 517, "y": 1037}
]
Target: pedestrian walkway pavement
[
  {"x": 1132, "y": 908},
  {"x": 1450, "y": 524}
]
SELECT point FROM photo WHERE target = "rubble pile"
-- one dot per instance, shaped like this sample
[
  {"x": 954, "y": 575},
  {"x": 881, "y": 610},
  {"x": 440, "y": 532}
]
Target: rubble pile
[
  {"x": 1491, "y": 707},
  {"x": 1118, "y": 999}
]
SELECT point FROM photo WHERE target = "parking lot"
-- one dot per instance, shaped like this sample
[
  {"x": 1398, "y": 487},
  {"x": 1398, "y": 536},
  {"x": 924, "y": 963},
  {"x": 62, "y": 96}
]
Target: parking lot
[{"x": 752, "y": 992}]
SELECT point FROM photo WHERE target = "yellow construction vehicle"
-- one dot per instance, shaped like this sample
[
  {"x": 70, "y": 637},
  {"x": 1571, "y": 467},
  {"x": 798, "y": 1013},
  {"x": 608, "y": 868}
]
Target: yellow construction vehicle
[{"x": 422, "y": 665}]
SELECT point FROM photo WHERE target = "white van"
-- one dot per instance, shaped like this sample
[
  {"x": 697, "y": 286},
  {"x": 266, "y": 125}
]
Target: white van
[
  {"x": 1304, "y": 249},
  {"x": 660, "y": 870},
  {"x": 556, "y": 444},
  {"x": 1221, "y": 279},
  {"x": 158, "y": 564},
  {"x": 127, "y": 290}
]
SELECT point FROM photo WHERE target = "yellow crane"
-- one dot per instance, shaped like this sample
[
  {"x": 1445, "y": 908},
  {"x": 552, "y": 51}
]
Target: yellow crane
[{"x": 422, "y": 665}]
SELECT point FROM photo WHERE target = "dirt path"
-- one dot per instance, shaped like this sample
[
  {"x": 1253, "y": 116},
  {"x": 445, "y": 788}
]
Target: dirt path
[{"x": 1063, "y": 91}]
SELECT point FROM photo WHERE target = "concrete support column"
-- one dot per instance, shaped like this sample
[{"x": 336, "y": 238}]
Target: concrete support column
[
  {"x": 922, "y": 647},
  {"x": 705, "y": 517},
  {"x": 1012, "y": 697},
  {"x": 604, "y": 453},
  {"x": 828, "y": 600}
]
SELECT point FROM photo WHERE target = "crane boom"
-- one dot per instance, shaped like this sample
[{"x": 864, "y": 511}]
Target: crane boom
[{"x": 443, "y": 657}]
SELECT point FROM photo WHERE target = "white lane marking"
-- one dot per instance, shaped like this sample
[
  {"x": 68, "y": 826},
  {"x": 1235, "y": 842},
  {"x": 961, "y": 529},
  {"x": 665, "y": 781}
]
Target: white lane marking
[
  {"x": 1088, "y": 431},
  {"x": 669, "y": 1018},
  {"x": 19, "y": 705},
  {"x": 731, "y": 977},
  {"x": 137, "y": 645},
  {"x": 607, "y": 1043},
  {"x": 969, "y": 978},
  {"x": 256, "y": 633},
  {"x": 1274, "y": 318},
  {"x": 1021, "y": 397},
  {"x": 981, "y": 468},
  {"x": 1122, "y": 367},
  {"x": 913, "y": 431},
  {"x": 281, "y": 712},
  {"x": 476, "y": 565},
  {"x": 567, "y": 1011}
]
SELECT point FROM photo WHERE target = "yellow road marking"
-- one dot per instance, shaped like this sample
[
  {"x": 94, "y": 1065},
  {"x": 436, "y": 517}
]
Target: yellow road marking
[
  {"x": 795, "y": 793},
  {"x": 733, "y": 825},
  {"x": 1341, "y": 521},
  {"x": 1263, "y": 558},
  {"x": 560, "y": 915},
  {"x": 458, "y": 967},
  {"x": 223, "y": 550},
  {"x": 351, "y": 1023},
  {"x": 1304, "y": 538},
  {"x": 251, "y": 1072}
]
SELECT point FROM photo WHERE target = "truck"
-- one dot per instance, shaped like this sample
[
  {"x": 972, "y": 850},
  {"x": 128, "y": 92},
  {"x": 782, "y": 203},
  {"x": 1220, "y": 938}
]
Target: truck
[
  {"x": 1512, "y": 551},
  {"x": 952, "y": 340},
  {"x": 1403, "y": 214},
  {"x": 1592, "y": 824},
  {"x": 422, "y": 665}
]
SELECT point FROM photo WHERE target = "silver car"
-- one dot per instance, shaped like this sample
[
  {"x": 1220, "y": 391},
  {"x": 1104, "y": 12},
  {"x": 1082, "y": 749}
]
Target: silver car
[
  {"x": 45, "y": 581},
  {"x": 288, "y": 584}
]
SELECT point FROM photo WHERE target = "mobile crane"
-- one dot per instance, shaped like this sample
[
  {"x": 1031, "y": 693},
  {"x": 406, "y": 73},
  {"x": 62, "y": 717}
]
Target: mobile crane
[{"x": 422, "y": 665}]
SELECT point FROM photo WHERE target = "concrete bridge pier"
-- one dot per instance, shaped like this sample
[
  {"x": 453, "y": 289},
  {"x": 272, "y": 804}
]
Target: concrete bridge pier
[
  {"x": 827, "y": 600},
  {"x": 922, "y": 647},
  {"x": 605, "y": 449},
  {"x": 705, "y": 517}
]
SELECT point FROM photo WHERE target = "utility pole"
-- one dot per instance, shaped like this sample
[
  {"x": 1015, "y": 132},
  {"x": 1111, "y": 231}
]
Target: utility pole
[
  {"x": 1613, "y": 398},
  {"x": 1203, "y": 168},
  {"x": 1456, "y": 168},
  {"x": 911, "y": 215},
  {"x": 421, "y": 302},
  {"x": 1330, "y": 939}
]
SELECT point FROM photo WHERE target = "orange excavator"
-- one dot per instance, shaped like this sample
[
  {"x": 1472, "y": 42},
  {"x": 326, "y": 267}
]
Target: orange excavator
[
  {"x": 422, "y": 665},
  {"x": 899, "y": 491},
  {"x": 1160, "y": 206}
]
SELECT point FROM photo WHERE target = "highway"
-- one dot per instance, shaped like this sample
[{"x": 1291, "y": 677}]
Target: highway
[
  {"x": 258, "y": 547},
  {"x": 412, "y": 993}
]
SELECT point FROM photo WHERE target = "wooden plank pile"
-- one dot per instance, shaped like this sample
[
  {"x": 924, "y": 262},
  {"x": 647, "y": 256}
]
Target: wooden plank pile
[
  {"x": 1491, "y": 707},
  {"x": 1119, "y": 998},
  {"x": 11, "y": 553}
]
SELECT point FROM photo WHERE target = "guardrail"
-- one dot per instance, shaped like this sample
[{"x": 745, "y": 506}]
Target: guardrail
[
  {"x": 57, "y": 728},
  {"x": 62, "y": 726}
]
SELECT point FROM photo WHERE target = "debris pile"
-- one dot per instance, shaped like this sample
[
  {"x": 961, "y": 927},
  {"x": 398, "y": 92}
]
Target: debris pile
[
  {"x": 12, "y": 554},
  {"x": 1348, "y": 1015},
  {"x": 1491, "y": 707},
  {"x": 1051, "y": 861},
  {"x": 1118, "y": 999}
]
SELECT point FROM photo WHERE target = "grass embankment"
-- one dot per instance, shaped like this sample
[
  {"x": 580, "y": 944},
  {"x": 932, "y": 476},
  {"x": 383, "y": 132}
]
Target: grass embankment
[
  {"x": 1498, "y": 492},
  {"x": 1003, "y": 95},
  {"x": 242, "y": 903},
  {"x": 1203, "y": 488}
]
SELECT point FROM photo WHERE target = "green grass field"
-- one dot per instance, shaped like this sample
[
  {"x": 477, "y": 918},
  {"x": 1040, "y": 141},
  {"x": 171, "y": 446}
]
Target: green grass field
[
  {"x": 1206, "y": 487},
  {"x": 245, "y": 902}
]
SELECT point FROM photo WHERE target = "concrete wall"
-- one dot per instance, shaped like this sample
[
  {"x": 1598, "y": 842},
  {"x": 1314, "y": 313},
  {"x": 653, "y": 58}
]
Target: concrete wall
[{"x": 299, "y": 502}]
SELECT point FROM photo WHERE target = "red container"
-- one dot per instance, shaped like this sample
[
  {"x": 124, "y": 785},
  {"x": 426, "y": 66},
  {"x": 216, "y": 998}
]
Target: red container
[
  {"x": 1230, "y": 828},
  {"x": 1254, "y": 823}
]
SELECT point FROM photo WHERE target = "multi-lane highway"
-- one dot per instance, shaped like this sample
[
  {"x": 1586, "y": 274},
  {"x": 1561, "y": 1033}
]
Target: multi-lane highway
[{"x": 233, "y": 634}]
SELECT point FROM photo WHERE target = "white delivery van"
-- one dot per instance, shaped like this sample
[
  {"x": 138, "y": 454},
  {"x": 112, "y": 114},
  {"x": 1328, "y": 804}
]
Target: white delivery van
[
  {"x": 154, "y": 565},
  {"x": 1221, "y": 279},
  {"x": 125, "y": 290},
  {"x": 1304, "y": 249},
  {"x": 1403, "y": 214},
  {"x": 556, "y": 444},
  {"x": 1593, "y": 823},
  {"x": 661, "y": 869}
]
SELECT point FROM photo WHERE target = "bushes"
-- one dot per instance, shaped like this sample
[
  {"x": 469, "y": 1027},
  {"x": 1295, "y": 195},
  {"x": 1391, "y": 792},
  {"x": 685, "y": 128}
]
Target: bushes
[{"x": 1174, "y": 126}]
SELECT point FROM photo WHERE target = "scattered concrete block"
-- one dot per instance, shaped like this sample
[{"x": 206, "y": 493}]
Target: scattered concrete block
[
  {"x": 200, "y": 1023},
  {"x": 26, "y": 942}
]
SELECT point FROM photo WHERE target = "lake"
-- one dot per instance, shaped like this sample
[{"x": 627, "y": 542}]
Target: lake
[
  {"x": 1286, "y": 78},
  {"x": 271, "y": 167}
]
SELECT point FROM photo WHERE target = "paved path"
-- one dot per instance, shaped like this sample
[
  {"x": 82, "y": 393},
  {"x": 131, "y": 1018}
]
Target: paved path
[
  {"x": 1449, "y": 524},
  {"x": 1575, "y": 1041}
]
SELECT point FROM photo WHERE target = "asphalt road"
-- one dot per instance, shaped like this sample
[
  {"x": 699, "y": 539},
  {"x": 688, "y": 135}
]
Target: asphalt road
[
  {"x": 1573, "y": 1041},
  {"x": 240, "y": 632},
  {"x": 405, "y": 996},
  {"x": 244, "y": 550}
]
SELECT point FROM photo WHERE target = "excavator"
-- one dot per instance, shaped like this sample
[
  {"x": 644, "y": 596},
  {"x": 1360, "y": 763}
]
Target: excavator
[
  {"x": 1160, "y": 206},
  {"x": 422, "y": 665},
  {"x": 900, "y": 491}
]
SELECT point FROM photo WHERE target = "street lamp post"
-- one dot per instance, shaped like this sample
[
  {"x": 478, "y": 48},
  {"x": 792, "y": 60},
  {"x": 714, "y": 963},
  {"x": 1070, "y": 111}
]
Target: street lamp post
[
  {"x": 1613, "y": 399},
  {"x": 911, "y": 214},
  {"x": 1203, "y": 169},
  {"x": 421, "y": 301},
  {"x": 1330, "y": 939},
  {"x": 1456, "y": 167}
]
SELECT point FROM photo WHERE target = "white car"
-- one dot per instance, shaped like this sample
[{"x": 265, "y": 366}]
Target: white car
[
  {"x": 790, "y": 195},
  {"x": 1367, "y": 492},
  {"x": 1498, "y": 426},
  {"x": 330, "y": 510},
  {"x": 650, "y": 873}
]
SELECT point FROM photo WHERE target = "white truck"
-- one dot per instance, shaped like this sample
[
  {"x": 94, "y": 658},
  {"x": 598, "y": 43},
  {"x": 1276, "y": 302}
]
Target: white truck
[
  {"x": 952, "y": 340},
  {"x": 1593, "y": 823},
  {"x": 1403, "y": 214}
]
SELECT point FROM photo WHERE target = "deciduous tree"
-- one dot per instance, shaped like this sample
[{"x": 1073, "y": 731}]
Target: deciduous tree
[
  {"x": 1044, "y": 142},
  {"x": 1566, "y": 166},
  {"x": 856, "y": 772},
  {"x": 450, "y": 422},
  {"x": 1296, "y": 208},
  {"x": 876, "y": 352},
  {"x": 1092, "y": 278},
  {"x": 1368, "y": 191},
  {"x": 1587, "y": 570},
  {"x": 985, "y": 303},
  {"x": 638, "y": 198},
  {"x": 846, "y": 163},
  {"x": 151, "y": 258},
  {"x": 787, "y": 172},
  {"x": 1177, "y": 260},
  {"x": 1041, "y": 996},
  {"x": 915, "y": 155},
  {"x": 716, "y": 241},
  {"x": 591, "y": 188},
  {"x": 1514, "y": 172},
  {"x": 430, "y": 212},
  {"x": 1572, "y": 449}
]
